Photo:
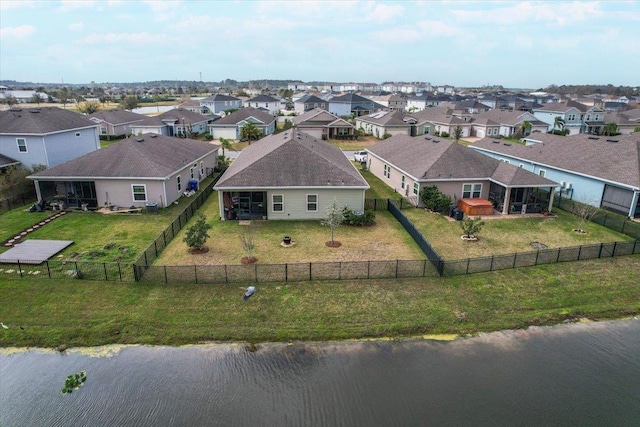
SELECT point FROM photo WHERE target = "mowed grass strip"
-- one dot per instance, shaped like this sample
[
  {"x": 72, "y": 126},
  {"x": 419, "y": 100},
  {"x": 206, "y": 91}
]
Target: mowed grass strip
[
  {"x": 508, "y": 235},
  {"x": 386, "y": 240},
  {"x": 48, "y": 313}
]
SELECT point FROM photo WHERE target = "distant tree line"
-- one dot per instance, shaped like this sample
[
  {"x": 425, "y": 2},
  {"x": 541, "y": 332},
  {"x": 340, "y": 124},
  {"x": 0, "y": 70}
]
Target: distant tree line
[{"x": 608, "y": 89}]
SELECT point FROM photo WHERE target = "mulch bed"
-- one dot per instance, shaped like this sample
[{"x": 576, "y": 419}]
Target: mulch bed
[
  {"x": 334, "y": 244},
  {"x": 198, "y": 251},
  {"x": 249, "y": 259}
]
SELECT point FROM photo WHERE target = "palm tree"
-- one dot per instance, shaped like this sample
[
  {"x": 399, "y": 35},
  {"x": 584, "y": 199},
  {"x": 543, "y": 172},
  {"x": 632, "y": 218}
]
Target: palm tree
[
  {"x": 250, "y": 132},
  {"x": 558, "y": 123},
  {"x": 610, "y": 129},
  {"x": 225, "y": 144},
  {"x": 524, "y": 128}
]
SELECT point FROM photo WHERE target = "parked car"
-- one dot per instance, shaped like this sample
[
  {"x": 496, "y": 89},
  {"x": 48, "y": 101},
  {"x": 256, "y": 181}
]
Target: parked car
[{"x": 360, "y": 156}]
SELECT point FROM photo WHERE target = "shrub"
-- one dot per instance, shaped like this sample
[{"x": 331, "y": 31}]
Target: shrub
[
  {"x": 363, "y": 218},
  {"x": 445, "y": 134},
  {"x": 471, "y": 227},
  {"x": 434, "y": 199}
]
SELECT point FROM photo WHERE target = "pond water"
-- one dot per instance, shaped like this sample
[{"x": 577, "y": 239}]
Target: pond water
[{"x": 577, "y": 374}]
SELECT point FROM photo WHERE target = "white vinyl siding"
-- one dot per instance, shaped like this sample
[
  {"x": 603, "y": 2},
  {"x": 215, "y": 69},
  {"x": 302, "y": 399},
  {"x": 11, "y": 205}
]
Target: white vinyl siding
[
  {"x": 139, "y": 192},
  {"x": 294, "y": 202}
]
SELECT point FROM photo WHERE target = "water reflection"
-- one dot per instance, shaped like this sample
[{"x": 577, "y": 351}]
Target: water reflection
[{"x": 570, "y": 375}]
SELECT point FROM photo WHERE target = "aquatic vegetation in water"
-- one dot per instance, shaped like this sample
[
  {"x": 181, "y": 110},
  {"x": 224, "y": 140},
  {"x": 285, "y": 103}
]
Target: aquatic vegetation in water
[{"x": 74, "y": 382}]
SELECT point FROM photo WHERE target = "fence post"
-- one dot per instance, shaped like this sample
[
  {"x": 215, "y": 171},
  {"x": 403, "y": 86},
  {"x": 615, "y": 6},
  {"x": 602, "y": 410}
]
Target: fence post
[
  {"x": 195, "y": 272},
  {"x": 613, "y": 253},
  {"x": 468, "y": 262},
  {"x": 135, "y": 273},
  {"x": 623, "y": 225},
  {"x": 226, "y": 276},
  {"x": 424, "y": 267},
  {"x": 155, "y": 247},
  {"x": 145, "y": 258},
  {"x": 49, "y": 271},
  {"x": 558, "y": 256},
  {"x": 537, "y": 254},
  {"x": 440, "y": 267},
  {"x": 635, "y": 242},
  {"x": 180, "y": 221},
  {"x": 164, "y": 237},
  {"x": 368, "y": 269},
  {"x": 579, "y": 252},
  {"x": 600, "y": 251},
  {"x": 119, "y": 272},
  {"x": 491, "y": 266},
  {"x": 76, "y": 263},
  {"x": 397, "y": 262},
  {"x": 375, "y": 204},
  {"x": 19, "y": 268},
  {"x": 286, "y": 272},
  {"x": 104, "y": 266},
  {"x": 310, "y": 277},
  {"x": 515, "y": 257}
]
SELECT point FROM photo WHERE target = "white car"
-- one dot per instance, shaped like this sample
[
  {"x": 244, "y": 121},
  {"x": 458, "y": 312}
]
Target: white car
[{"x": 360, "y": 156}]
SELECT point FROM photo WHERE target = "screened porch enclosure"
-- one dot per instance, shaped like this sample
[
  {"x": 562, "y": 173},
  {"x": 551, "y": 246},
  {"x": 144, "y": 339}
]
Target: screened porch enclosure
[
  {"x": 245, "y": 205},
  {"x": 533, "y": 200},
  {"x": 72, "y": 193}
]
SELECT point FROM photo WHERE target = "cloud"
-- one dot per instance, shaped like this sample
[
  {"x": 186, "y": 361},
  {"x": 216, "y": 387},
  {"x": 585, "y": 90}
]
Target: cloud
[
  {"x": 76, "y": 26},
  {"x": 124, "y": 38},
  {"x": 420, "y": 31},
  {"x": 15, "y": 4},
  {"x": 17, "y": 33},
  {"x": 163, "y": 10},
  {"x": 70, "y": 5},
  {"x": 385, "y": 12}
]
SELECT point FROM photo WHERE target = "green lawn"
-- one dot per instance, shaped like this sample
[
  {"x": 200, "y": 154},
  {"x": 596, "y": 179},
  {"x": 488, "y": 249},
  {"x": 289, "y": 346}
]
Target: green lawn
[
  {"x": 383, "y": 241},
  {"x": 507, "y": 234},
  {"x": 83, "y": 313}
]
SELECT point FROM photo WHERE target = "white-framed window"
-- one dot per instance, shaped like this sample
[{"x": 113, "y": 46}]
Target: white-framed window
[
  {"x": 191, "y": 169},
  {"x": 416, "y": 188},
  {"x": 312, "y": 203},
  {"x": 572, "y": 117},
  {"x": 22, "y": 145},
  {"x": 202, "y": 169},
  {"x": 103, "y": 130},
  {"x": 277, "y": 202},
  {"x": 403, "y": 182},
  {"x": 427, "y": 129},
  {"x": 179, "y": 182},
  {"x": 77, "y": 134},
  {"x": 139, "y": 192},
  {"x": 471, "y": 191},
  {"x": 387, "y": 171},
  {"x": 542, "y": 173}
]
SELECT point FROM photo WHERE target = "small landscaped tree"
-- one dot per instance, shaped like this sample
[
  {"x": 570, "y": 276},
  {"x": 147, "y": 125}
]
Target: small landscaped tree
[
  {"x": 88, "y": 107},
  {"x": 129, "y": 103},
  {"x": 585, "y": 209},
  {"x": 610, "y": 129},
  {"x": 471, "y": 227},
  {"x": 247, "y": 238},
  {"x": 250, "y": 132},
  {"x": 334, "y": 217},
  {"x": 558, "y": 123},
  {"x": 524, "y": 128},
  {"x": 197, "y": 234},
  {"x": 457, "y": 133}
]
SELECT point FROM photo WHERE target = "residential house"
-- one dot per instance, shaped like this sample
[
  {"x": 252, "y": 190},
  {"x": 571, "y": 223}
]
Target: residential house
[
  {"x": 195, "y": 106},
  {"x": 350, "y": 103},
  {"x": 290, "y": 175},
  {"x": 267, "y": 103},
  {"x": 470, "y": 106},
  {"x": 446, "y": 89},
  {"x": 115, "y": 123},
  {"x": 438, "y": 121},
  {"x": 297, "y": 86},
  {"x": 628, "y": 121},
  {"x": 509, "y": 122},
  {"x": 46, "y": 136},
  {"x": 139, "y": 170},
  {"x": 22, "y": 96},
  {"x": 384, "y": 123},
  {"x": 230, "y": 126},
  {"x": 309, "y": 102},
  {"x": 420, "y": 102},
  {"x": 578, "y": 118},
  {"x": 409, "y": 164},
  {"x": 220, "y": 103},
  {"x": 598, "y": 170},
  {"x": 176, "y": 122},
  {"x": 493, "y": 101},
  {"x": 321, "y": 124}
]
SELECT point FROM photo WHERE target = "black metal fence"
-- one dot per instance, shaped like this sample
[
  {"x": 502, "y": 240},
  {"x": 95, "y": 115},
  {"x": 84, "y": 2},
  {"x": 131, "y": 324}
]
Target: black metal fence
[
  {"x": 544, "y": 256},
  {"x": 605, "y": 218},
  {"x": 86, "y": 270},
  {"x": 17, "y": 201},
  {"x": 298, "y": 272},
  {"x": 431, "y": 254},
  {"x": 143, "y": 263}
]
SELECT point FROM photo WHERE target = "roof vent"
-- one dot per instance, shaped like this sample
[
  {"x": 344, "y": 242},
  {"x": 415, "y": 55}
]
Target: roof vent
[
  {"x": 507, "y": 144},
  {"x": 612, "y": 140},
  {"x": 593, "y": 137},
  {"x": 153, "y": 135},
  {"x": 35, "y": 111},
  {"x": 427, "y": 137},
  {"x": 495, "y": 141},
  {"x": 436, "y": 141},
  {"x": 140, "y": 139}
]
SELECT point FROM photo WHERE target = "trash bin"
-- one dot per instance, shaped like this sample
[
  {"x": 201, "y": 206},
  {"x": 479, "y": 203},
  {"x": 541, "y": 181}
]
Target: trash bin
[
  {"x": 152, "y": 207},
  {"x": 193, "y": 185},
  {"x": 458, "y": 214}
]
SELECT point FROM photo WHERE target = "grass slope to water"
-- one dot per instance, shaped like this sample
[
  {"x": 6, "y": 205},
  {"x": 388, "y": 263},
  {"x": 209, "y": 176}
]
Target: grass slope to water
[{"x": 81, "y": 313}]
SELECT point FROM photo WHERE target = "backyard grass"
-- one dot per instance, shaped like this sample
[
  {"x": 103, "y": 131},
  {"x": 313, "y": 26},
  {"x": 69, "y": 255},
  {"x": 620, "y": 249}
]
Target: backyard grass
[
  {"x": 386, "y": 240},
  {"x": 354, "y": 145},
  {"x": 49, "y": 313},
  {"x": 507, "y": 235},
  {"x": 378, "y": 189}
]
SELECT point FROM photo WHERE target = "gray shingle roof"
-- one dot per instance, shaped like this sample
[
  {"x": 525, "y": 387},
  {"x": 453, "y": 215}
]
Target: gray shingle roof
[
  {"x": 7, "y": 161},
  {"x": 177, "y": 115},
  {"x": 436, "y": 115},
  {"x": 385, "y": 118},
  {"x": 319, "y": 117},
  {"x": 582, "y": 153},
  {"x": 350, "y": 98},
  {"x": 40, "y": 121},
  {"x": 291, "y": 159},
  {"x": 218, "y": 97},
  {"x": 432, "y": 158},
  {"x": 244, "y": 114},
  {"x": 148, "y": 155},
  {"x": 263, "y": 98},
  {"x": 117, "y": 117}
]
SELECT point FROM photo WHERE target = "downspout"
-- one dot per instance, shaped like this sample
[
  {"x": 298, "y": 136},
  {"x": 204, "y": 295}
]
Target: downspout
[
  {"x": 634, "y": 202},
  {"x": 164, "y": 190}
]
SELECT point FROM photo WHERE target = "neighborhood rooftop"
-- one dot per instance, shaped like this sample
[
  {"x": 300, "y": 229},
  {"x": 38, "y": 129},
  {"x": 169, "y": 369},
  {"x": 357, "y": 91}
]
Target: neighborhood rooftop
[
  {"x": 40, "y": 121},
  {"x": 147, "y": 155}
]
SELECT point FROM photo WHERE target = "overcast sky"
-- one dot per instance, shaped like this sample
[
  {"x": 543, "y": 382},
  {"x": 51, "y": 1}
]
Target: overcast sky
[{"x": 515, "y": 44}]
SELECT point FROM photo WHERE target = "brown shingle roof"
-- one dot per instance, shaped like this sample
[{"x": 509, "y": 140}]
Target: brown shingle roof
[
  {"x": 40, "y": 121},
  {"x": 582, "y": 154},
  {"x": 434, "y": 159},
  {"x": 291, "y": 159},
  {"x": 148, "y": 155}
]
